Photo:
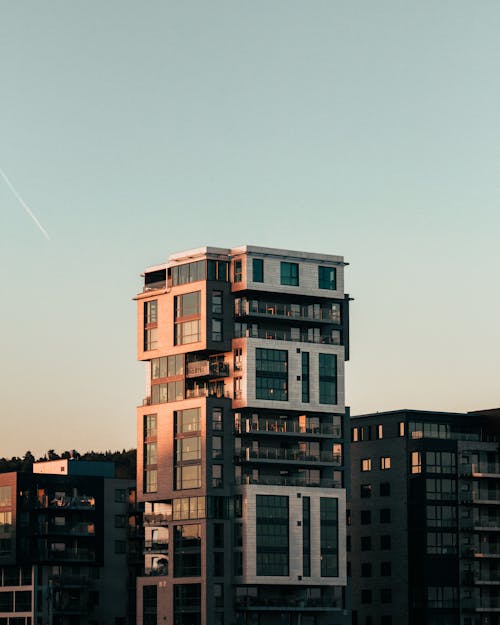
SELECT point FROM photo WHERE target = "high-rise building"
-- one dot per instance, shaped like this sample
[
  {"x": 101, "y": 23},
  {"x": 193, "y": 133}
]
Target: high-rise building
[
  {"x": 241, "y": 457},
  {"x": 424, "y": 515},
  {"x": 68, "y": 545}
]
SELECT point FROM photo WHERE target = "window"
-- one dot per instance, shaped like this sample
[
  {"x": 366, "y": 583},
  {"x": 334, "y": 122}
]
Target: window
[
  {"x": 366, "y": 543},
  {"x": 217, "y": 270},
  {"x": 217, "y": 419},
  {"x": 385, "y": 489},
  {"x": 187, "y": 477},
  {"x": 416, "y": 462},
  {"x": 366, "y": 490},
  {"x": 442, "y": 596},
  {"x": 327, "y": 278},
  {"x": 305, "y": 377},
  {"x": 188, "y": 508},
  {"x": 385, "y": 569},
  {"x": 187, "y": 304},
  {"x": 327, "y": 379},
  {"x": 440, "y": 462},
  {"x": 238, "y": 271},
  {"x": 401, "y": 428},
  {"x": 150, "y": 339},
  {"x": 441, "y": 516},
  {"x": 366, "y": 569},
  {"x": 189, "y": 272},
  {"x": 385, "y": 595},
  {"x": 385, "y": 515},
  {"x": 217, "y": 476},
  {"x": 366, "y": 464},
  {"x": 187, "y": 449},
  {"x": 167, "y": 366},
  {"x": 120, "y": 495},
  {"x": 366, "y": 517},
  {"x": 385, "y": 542},
  {"x": 217, "y": 302},
  {"x": 216, "y": 330},
  {"x": 258, "y": 269},
  {"x": 271, "y": 374},
  {"x": 380, "y": 431},
  {"x": 150, "y": 425},
  {"x": 151, "y": 312},
  {"x": 289, "y": 274},
  {"x": 187, "y": 550},
  {"x": 170, "y": 391},
  {"x": 366, "y": 596},
  {"x": 355, "y": 435},
  {"x": 187, "y": 421},
  {"x": 151, "y": 481},
  {"x": 329, "y": 536},
  {"x": 149, "y": 605},
  {"x": 187, "y": 332},
  {"x": 216, "y": 446},
  {"x": 150, "y": 453},
  {"x": 5, "y": 496},
  {"x": 272, "y": 535},
  {"x": 187, "y": 604},
  {"x": 385, "y": 463},
  {"x": 444, "y": 543},
  {"x": 445, "y": 489},
  {"x": 306, "y": 536}
]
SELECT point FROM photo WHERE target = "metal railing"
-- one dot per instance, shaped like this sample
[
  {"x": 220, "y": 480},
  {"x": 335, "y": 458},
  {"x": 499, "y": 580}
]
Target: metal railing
[
  {"x": 285, "y": 311},
  {"x": 279, "y": 480},
  {"x": 282, "y": 426},
  {"x": 276, "y": 334},
  {"x": 290, "y": 455}
]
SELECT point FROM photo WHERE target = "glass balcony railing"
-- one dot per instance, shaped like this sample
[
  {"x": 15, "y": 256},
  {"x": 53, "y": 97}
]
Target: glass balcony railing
[
  {"x": 282, "y": 426},
  {"x": 207, "y": 368},
  {"x": 290, "y": 455},
  {"x": 291, "y": 480},
  {"x": 277, "y": 334},
  {"x": 299, "y": 312},
  {"x": 156, "y": 546}
]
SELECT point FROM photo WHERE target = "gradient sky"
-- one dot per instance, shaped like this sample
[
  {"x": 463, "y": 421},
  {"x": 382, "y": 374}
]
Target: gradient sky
[{"x": 137, "y": 129}]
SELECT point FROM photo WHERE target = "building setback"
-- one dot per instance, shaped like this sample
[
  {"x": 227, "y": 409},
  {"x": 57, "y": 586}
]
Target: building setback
[
  {"x": 241, "y": 457},
  {"x": 67, "y": 538},
  {"x": 424, "y": 516}
]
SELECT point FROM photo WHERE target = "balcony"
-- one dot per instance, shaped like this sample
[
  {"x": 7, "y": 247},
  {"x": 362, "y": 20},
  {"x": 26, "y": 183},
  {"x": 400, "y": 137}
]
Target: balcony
[
  {"x": 80, "y": 529},
  {"x": 206, "y": 368},
  {"x": 72, "y": 555},
  {"x": 288, "y": 605},
  {"x": 74, "y": 502},
  {"x": 276, "y": 334},
  {"x": 284, "y": 426},
  {"x": 156, "y": 571},
  {"x": 486, "y": 496},
  {"x": 156, "y": 519},
  {"x": 254, "y": 308},
  {"x": 192, "y": 393},
  {"x": 485, "y": 469},
  {"x": 156, "y": 546},
  {"x": 290, "y": 480},
  {"x": 277, "y": 454}
]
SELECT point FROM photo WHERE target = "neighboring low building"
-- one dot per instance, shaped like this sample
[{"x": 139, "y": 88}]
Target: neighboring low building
[
  {"x": 425, "y": 518},
  {"x": 69, "y": 545}
]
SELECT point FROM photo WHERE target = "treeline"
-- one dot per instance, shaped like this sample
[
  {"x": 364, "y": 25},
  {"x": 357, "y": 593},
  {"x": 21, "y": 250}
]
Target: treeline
[{"x": 125, "y": 460}]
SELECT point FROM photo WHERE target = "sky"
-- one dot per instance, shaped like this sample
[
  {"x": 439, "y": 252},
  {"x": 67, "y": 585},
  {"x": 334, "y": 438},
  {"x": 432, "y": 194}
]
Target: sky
[{"x": 133, "y": 130}]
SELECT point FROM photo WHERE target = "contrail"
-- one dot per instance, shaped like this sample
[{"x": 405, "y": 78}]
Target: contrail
[{"x": 24, "y": 205}]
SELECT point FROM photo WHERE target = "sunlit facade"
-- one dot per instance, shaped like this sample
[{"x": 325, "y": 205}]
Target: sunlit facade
[{"x": 241, "y": 456}]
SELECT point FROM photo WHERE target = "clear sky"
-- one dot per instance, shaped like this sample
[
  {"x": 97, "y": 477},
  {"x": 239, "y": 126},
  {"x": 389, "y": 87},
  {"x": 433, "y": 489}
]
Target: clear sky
[{"x": 137, "y": 129}]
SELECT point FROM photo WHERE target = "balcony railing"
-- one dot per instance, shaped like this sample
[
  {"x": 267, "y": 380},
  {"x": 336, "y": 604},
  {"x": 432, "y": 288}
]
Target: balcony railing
[
  {"x": 81, "y": 529},
  {"x": 74, "y": 555},
  {"x": 206, "y": 392},
  {"x": 157, "y": 519},
  {"x": 282, "y": 426},
  {"x": 156, "y": 546},
  {"x": 285, "y": 311},
  {"x": 207, "y": 368},
  {"x": 486, "y": 468},
  {"x": 276, "y": 334},
  {"x": 290, "y": 603},
  {"x": 280, "y": 480},
  {"x": 76, "y": 502},
  {"x": 290, "y": 455},
  {"x": 156, "y": 571}
]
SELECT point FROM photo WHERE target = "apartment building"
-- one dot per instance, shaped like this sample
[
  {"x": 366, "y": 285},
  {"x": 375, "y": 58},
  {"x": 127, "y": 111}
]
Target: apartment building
[
  {"x": 424, "y": 518},
  {"x": 241, "y": 457},
  {"x": 69, "y": 538}
]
